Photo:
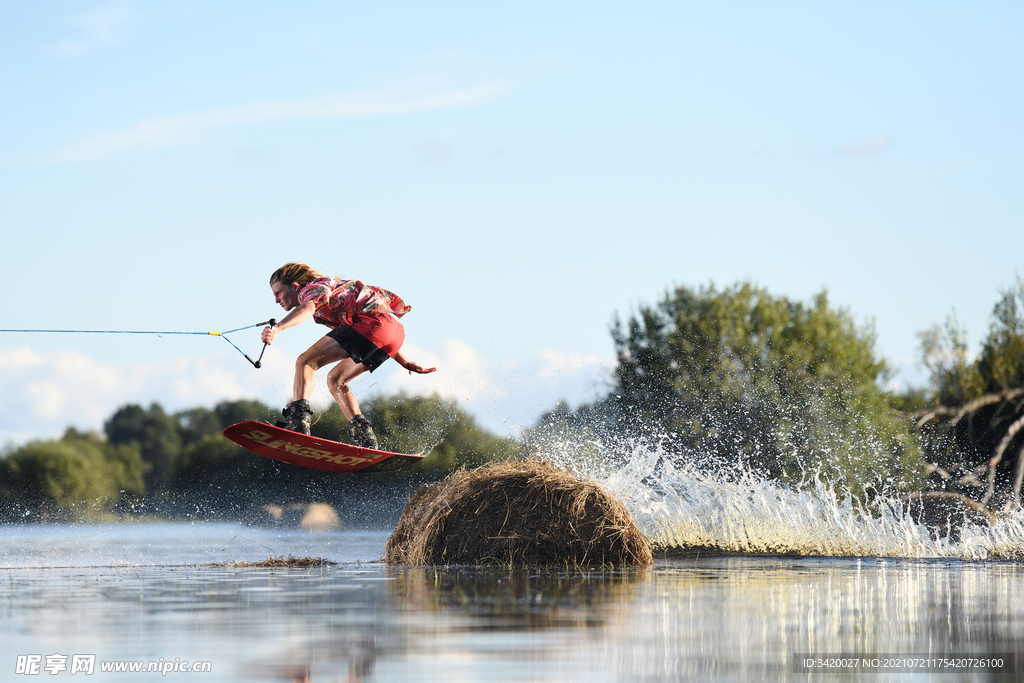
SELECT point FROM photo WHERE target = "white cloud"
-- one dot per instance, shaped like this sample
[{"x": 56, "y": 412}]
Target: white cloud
[
  {"x": 503, "y": 397},
  {"x": 43, "y": 393},
  {"x": 20, "y": 358},
  {"x": 45, "y": 399},
  {"x": 184, "y": 129},
  {"x": 462, "y": 374},
  {"x": 102, "y": 27}
]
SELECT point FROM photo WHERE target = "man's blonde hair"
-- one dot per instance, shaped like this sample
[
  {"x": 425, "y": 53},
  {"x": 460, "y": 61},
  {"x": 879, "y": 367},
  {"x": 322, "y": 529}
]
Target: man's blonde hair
[{"x": 295, "y": 272}]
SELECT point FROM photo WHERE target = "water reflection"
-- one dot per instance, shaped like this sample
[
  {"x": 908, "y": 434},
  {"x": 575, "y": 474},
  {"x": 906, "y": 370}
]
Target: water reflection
[
  {"x": 744, "y": 618},
  {"x": 721, "y": 618},
  {"x": 516, "y": 599}
]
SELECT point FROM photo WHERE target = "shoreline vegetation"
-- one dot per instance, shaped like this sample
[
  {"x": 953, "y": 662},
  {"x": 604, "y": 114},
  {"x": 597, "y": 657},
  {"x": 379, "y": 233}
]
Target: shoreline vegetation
[
  {"x": 730, "y": 378},
  {"x": 159, "y": 466}
]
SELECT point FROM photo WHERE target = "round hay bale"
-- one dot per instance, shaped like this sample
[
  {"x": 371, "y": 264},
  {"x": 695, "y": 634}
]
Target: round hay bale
[{"x": 516, "y": 513}]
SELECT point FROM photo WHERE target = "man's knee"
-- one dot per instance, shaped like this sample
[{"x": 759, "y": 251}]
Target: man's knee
[
  {"x": 337, "y": 382},
  {"x": 307, "y": 360}
]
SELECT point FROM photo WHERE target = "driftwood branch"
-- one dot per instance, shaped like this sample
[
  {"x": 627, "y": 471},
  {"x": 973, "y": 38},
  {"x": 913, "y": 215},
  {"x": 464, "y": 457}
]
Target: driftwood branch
[
  {"x": 1007, "y": 439},
  {"x": 967, "y": 408},
  {"x": 997, "y": 457},
  {"x": 956, "y": 439},
  {"x": 1018, "y": 479}
]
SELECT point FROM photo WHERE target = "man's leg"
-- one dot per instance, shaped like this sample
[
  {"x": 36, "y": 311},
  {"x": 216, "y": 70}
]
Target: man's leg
[
  {"x": 337, "y": 383},
  {"x": 298, "y": 414},
  {"x": 359, "y": 430},
  {"x": 324, "y": 352}
]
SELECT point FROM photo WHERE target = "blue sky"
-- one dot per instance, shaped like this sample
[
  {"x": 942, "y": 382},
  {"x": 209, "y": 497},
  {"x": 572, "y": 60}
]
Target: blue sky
[{"x": 519, "y": 173}]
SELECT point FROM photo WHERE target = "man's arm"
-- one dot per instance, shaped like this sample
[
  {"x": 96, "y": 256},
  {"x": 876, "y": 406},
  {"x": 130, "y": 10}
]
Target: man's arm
[{"x": 297, "y": 315}]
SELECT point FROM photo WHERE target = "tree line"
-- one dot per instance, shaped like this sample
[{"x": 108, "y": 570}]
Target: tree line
[
  {"x": 739, "y": 380},
  {"x": 150, "y": 462},
  {"x": 735, "y": 379}
]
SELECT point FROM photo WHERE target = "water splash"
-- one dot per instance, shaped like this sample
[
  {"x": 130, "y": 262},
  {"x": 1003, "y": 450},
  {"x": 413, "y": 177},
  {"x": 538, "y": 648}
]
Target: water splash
[{"x": 690, "y": 506}]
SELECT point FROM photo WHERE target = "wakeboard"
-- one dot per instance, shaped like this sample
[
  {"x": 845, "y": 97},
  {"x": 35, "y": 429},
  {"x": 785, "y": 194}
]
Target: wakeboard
[{"x": 311, "y": 451}]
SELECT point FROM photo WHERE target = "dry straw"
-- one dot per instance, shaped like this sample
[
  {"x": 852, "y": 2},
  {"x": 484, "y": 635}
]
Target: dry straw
[
  {"x": 516, "y": 513},
  {"x": 275, "y": 562}
]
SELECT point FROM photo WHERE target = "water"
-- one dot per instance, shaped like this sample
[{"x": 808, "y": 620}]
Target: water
[
  {"x": 177, "y": 544},
  {"x": 865, "y": 585},
  {"x": 683, "y": 506},
  {"x": 128, "y": 593}
]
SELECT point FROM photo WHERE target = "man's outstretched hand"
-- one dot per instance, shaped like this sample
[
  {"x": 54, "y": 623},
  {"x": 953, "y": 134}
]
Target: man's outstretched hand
[{"x": 412, "y": 367}]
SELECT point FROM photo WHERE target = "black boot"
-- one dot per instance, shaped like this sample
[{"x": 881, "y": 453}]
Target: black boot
[
  {"x": 360, "y": 433},
  {"x": 298, "y": 416}
]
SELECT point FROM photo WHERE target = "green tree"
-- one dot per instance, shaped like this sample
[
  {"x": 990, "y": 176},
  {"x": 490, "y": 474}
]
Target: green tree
[
  {"x": 215, "y": 476},
  {"x": 196, "y": 424},
  {"x": 72, "y": 477},
  {"x": 153, "y": 432},
  {"x": 233, "y": 412},
  {"x": 955, "y": 379},
  {"x": 214, "y": 466},
  {"x": 740, "y": 376},
  {"x": 1001, "y": 364},
  {"x": 450, "y": 437},
  {"x": 419, "y": 424}
]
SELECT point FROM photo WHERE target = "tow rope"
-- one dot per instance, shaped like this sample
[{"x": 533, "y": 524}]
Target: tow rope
[{"x": 255, "y": 363}]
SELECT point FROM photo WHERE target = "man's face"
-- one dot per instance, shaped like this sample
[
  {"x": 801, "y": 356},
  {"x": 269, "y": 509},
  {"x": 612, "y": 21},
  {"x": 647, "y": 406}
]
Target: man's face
[{"x": 286, "y": 296}]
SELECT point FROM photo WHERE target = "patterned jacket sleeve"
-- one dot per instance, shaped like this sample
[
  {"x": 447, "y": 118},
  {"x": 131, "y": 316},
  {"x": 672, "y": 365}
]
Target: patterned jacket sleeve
[
  {"x": 317, "y": 291},
  {"x": 398, "y": 307}
]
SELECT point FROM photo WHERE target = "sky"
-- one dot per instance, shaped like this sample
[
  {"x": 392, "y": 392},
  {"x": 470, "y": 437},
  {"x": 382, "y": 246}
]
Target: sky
[{"x": 520, "y": 173}]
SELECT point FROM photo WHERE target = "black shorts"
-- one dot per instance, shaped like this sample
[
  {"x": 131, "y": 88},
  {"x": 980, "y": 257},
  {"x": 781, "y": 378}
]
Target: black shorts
[{"x": 359, "y": 348}]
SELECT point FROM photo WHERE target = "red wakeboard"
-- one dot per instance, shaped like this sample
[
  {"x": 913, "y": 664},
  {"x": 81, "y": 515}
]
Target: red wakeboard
[{"x": 311, "y": 451}]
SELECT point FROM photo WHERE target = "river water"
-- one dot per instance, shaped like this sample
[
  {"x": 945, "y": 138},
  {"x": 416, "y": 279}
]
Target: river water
[{"x": 877, "y": 593}]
